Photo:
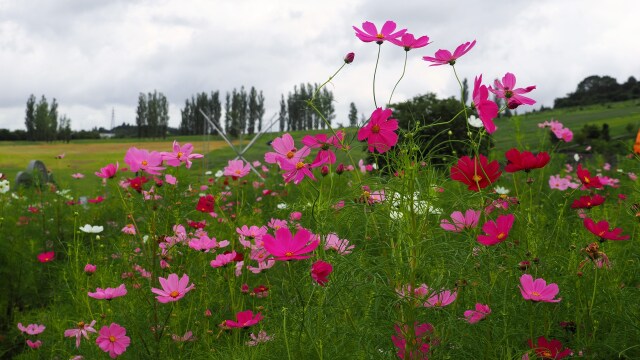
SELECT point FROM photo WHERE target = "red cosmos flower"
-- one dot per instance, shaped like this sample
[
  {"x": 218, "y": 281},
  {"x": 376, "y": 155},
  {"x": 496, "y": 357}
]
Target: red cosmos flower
[
  {"x": 546, "y": 349},
  {"x": 601, "y": 229},
  {"x": 205, "y": 204},
  {"x": 136, "y": 183},
  {"x": 476, "y": 174},
  {"x": 487, "y": 109},
  {"x": 525, "y": 160},
  {"x": 380, "y": 131},
  {"x": 320, "y": 271},
  {"x": 587, "y": 202},
  {"x": 46, "y": 256},
  {"x": 96, "y": 200},
  {"x": 587, "y": 180},
  {"x": 443, "y": 57},
  {"x": 371, "y": 33}
]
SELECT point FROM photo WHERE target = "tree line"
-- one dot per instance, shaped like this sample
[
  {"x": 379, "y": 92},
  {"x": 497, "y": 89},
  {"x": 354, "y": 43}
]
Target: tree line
[
  {"x": 42, "y": 123},
  {"x": 597, "y": 89}
]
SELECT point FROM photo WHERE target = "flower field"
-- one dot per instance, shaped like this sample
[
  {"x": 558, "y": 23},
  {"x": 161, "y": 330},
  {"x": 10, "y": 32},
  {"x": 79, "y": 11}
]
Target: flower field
[{"x": 339, "y": 245}]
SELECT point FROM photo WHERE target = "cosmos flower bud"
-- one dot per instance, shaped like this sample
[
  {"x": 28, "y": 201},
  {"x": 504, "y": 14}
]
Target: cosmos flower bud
[
  {"x": 349, "y": 58},
  {"x": 324, "y": 170}
]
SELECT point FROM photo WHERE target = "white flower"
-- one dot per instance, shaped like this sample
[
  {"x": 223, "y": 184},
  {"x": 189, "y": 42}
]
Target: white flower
[
  {"x": 282, "y": 206},
  {"x": 501, "y": 190},
  {"x": 91, "y": 229},
  {"x": 219, "y": 173},
  {"x": 475, "y": 122},
  {"x": 208, "y": 172},
  {"x": 576, "y": 157},
  {"x": 4, "y": 186}
]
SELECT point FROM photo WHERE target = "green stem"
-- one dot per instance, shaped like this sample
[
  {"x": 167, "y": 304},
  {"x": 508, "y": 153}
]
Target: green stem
[
  {"x": 375, "y": 71},
  {"x": 404, "y": 68}
]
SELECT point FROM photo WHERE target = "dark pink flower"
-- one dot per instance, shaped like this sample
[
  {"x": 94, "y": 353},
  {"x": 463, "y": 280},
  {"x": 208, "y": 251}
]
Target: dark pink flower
[
  {"x": 113, "y": 339},
  {"x": 551, "y": 350},
  {"x": 443, "y": 57},
  {"x": 408, "y": 41},
  {"x": 46, "y": 256},
  {"x": 173, "y": 288},
  {"x": 295, "y": 168},
  {"x": 487, "y": 109},
  {"x": 496, "y": 231},
  {"x": 601, "y": 229},
  {"x": 506, "y": 90},
  {"x": 538, "y": 290},
  {"x": 371, "y": 33},
  {"x": 474, "y": 316},
  {"x": 108, "y": 171},
  {"x": 380, "y": 131},
  {"x": 285, "y": 246},
  {"x": 349, "y": 58},
  {"x": 320, "y": 271},
  {"x": 416, "y": 340},
  {"x": 441, "y": 299},
  {"x": 244, "y": 319}
]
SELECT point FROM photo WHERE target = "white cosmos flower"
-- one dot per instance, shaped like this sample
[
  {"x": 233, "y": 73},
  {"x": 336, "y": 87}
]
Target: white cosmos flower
[
  {"x": 91, "y": 229},
  {"x": 501, "y": 190},
  {"x": 4, "y": 186},
  {"x": 475, "y": 122},
  {"x": 576, "y": 157},
  {"x": 219, "y": 173},
  {"x": 282, "y": 206}
]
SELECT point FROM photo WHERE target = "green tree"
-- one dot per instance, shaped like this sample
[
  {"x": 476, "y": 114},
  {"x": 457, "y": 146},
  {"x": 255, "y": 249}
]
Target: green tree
[
  {"x": 30, "y": 117},
  {"x": 141, "y": 115},
  {"x": 282, "y": 115},
  {"x": 41, "y": 119},
  {"x": 353, "y": 115}
]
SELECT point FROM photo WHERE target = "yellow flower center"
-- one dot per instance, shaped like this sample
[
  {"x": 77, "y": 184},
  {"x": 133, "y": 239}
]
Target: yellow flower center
[
  {"x": 586, "y": 180},
  {"x": 288, "y": 254},
  {"x": 81, "y": 324},
  {"x": 476, "y": 178},
  {"x": 112, "y": 338},
  {"x": 535, "y": 293},
  {"x": 174, "y": 294},
  {"x": 238, "y": 172},
  {"x": 290, "y": 154},
  {"x": 375, "y": 129},
  {"x": 179, "y": 155},
  {"x": 601, "y": 233},
  {"x": 299, "y": 165},
  {"x": 144, "y": 163},
  {"x": 546, "y": 354}
]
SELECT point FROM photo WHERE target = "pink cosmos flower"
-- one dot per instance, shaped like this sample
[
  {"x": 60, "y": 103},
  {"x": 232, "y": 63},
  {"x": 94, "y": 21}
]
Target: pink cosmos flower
[
  {"x": 180, "y": 154},
  {"x": 244, "y": 319},
  {"x": 277, "y": 223},
  {"x": 173, "y": 289},
  {"x": 149, "y": 162},
  {"x": 262, "y": 337},
  {"x": 332, "y": 241},
  {"x": 108, "y": 293},
  {"x": 46, "y": 256},
  {"x": 170, "y": 179},
  {"x": 562, "y": 184},
  {"x": 285, "y": 246},
  {"x": 497, "y": 231},
  {"x": 441, "y": 299},
  {"x": 188, "y": 336},
  {"x": 34, "y": 344},
  {"x": 77, "y": 176},
  {"x": 506, "y": 90},
  {"x": 380, "y": 131},
  {"x": 89, "y": 269},
  {"x": 419, "y": 337},
  {"x": 487, "y": 109},
  {"x": 223, "y": 259},
  {"x": 538, "y": 290},
  {"x": 371, "y": 33},
  {"x": 283, "y": 146},
  {"x": 129, "y": 229},
  {"x": 113, "y": 339},
  {"x": 460, "y": 222},
  {"x": 474, "y": 316},
  {"x": 251, "y": 233},
  {"x": 601, "y": 229},
  {"x": 295, "y": 168},
  {"x": 82, "y": 329},
  {"x": 31, "y": 329},
  {"x": 443, "y": 57},
  {"x": 262, "y": 265},
  {"x": 237, "y": 169},
  {"x": 320, "y": 271},
  {"x": 324, "y": 143},
  {"x": 408, "y": 41},
  {"x": 108, "y": 172},
  {"x": 205, "y": 243}
]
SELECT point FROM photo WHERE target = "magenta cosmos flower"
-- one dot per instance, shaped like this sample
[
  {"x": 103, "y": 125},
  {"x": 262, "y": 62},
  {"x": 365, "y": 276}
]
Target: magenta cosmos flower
[
  {"x": 113, "y": 339},
  {"x": 149, "y": 162},
  {"x": 460, "y": 222},
  {"x": 296, "y": 169},
  {"x": 180, "y": 154},
  {"x": 546, "y": 349},
  {"x": 487, "y": 109},
  {"x": 46, "y": 256},
  {"x": 474, "y": 316},
  {"x": 109, "y": 171},
  {"x": 496, "y": 231},
  {"x": 237, "y": 169},
  {"x": 506, "y": 90},
  {"x": 173, "y": 289},
  {"x": 419, "y": 337},
  {"x": 371, "y": 33},
  {"x": 441, "y": 299},
  {"x": 601, "y": 229},
  {"x": 408, "y": 41},
  {"x": 289, "y": 247},
  {"x": 538, "y": 290},
  {"x": 320, "y": 271},
  {"x": 108, "y": 293},
  {"x": 443, "y": 57},
  {"x": 244, "y": 319},
  {"x": 82, "y": 329},
  {"x": 380, "y": 131}
]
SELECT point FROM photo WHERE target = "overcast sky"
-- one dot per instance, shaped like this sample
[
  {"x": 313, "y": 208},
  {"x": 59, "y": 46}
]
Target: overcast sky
[{"x": 95, "y": 56}]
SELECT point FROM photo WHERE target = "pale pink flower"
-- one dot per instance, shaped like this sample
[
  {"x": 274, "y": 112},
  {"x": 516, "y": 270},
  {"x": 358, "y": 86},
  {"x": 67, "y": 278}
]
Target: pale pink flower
[
  {"x": 31, "y": 329},
  {"x": 173, "y": 288},
  {"x": 332, "y": 241},
  {"x": 283, "y": 146},
  {"x": 82, "y": 329},
  {"x": 188, "y": 336},
  {"x": 262, "y": 337},
  {"x": 149, "y": 162},
  {"x": 223, "y": 259},
  {"x": 262, "y": 265},
  {"x": 109, "y": 293},
  {"x": 129, "y": 229},
  {"x": 170, "y": 179},
  {"x": 460, "y": 222},
  {"x": 237, "y": 169},
  {"x": 77, "y": 176},
  {"x": 34, "y": 344},
  {"x": 441, "y": 299}
]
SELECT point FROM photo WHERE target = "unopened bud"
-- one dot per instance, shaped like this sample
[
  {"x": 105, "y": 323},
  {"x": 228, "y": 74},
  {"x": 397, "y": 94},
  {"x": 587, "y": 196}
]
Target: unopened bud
[
  {"x": 324, "y": 170},
  {"x": 349, "y": 58}
]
